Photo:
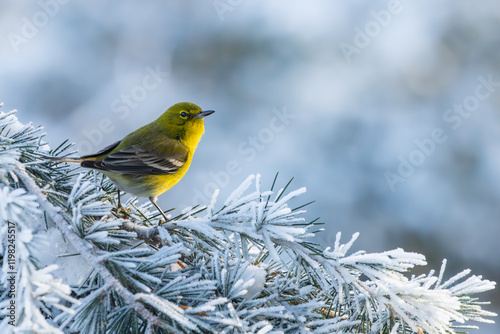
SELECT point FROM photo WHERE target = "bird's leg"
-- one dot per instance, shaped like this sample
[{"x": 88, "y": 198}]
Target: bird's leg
[
  {"x": 119, "y": 201},
  {"x": 119, "y": 207},
  {"x": 153, "y": 200}
]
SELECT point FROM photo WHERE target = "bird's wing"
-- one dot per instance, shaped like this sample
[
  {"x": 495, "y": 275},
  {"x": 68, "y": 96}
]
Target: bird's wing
[
  {"x": 105, "y": 150},
  {"x": 138, "y": 161}
]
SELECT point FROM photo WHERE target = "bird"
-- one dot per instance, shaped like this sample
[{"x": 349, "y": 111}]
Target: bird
[{"x": 152, "y": 159}]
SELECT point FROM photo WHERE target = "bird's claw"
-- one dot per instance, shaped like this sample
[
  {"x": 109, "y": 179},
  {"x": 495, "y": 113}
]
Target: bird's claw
[
  {"x": 163, "y": 221},
  {"x": 120, "y": 210}
]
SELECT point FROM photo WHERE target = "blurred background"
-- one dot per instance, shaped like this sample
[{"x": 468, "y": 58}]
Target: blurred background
[{"x": 387, "y": 111}]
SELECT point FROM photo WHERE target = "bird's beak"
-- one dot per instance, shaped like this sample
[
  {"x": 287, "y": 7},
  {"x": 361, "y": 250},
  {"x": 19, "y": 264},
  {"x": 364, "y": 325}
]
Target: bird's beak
[{"x": 204, "y": 113}]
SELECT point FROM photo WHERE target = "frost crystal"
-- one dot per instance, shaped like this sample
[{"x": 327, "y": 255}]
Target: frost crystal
[{"x": 248, "y": 265}]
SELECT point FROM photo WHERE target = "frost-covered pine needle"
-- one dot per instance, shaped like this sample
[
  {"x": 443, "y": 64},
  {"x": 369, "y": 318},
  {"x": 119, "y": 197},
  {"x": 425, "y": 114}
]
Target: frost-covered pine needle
[{"x": 248, "y": 265}]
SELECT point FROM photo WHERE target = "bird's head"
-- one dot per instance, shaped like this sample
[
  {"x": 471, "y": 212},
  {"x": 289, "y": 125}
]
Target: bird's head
[{"x": 184, "y": 119}]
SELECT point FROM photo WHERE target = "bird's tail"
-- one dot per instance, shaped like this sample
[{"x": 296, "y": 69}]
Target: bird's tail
[{"x": 59, "y": 159}]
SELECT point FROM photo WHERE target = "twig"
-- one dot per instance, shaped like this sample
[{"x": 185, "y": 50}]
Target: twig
[{"x": 149, "y": 234}]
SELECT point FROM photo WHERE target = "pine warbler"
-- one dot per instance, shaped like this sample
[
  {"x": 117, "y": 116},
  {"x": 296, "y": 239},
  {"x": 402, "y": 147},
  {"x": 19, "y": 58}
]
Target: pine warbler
[{"x": 153, "y": 158}]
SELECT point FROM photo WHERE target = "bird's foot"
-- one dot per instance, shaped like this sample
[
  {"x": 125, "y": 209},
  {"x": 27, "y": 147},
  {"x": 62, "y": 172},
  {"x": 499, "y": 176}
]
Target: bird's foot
[{"x": 121, "y": 211}]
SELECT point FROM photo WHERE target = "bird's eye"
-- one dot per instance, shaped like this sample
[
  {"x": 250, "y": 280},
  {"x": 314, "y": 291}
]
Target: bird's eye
[{"x": 184, "y": 114}]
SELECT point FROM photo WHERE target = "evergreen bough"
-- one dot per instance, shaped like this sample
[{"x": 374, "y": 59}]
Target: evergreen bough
[{"x": 246, "y": 265}]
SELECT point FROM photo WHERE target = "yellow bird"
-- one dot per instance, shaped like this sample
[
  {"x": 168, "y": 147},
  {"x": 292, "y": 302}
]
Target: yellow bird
[{"x": 153, "y": 158}]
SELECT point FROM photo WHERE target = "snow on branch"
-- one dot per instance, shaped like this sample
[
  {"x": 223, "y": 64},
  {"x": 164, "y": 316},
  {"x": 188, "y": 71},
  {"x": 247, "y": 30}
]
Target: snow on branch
[{"x": 247, "y": 265}]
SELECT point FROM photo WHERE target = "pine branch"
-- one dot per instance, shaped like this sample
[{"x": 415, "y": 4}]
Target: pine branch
[
  {"x": 248, "y": 265},
  {"x": 89, "y": 254}
]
